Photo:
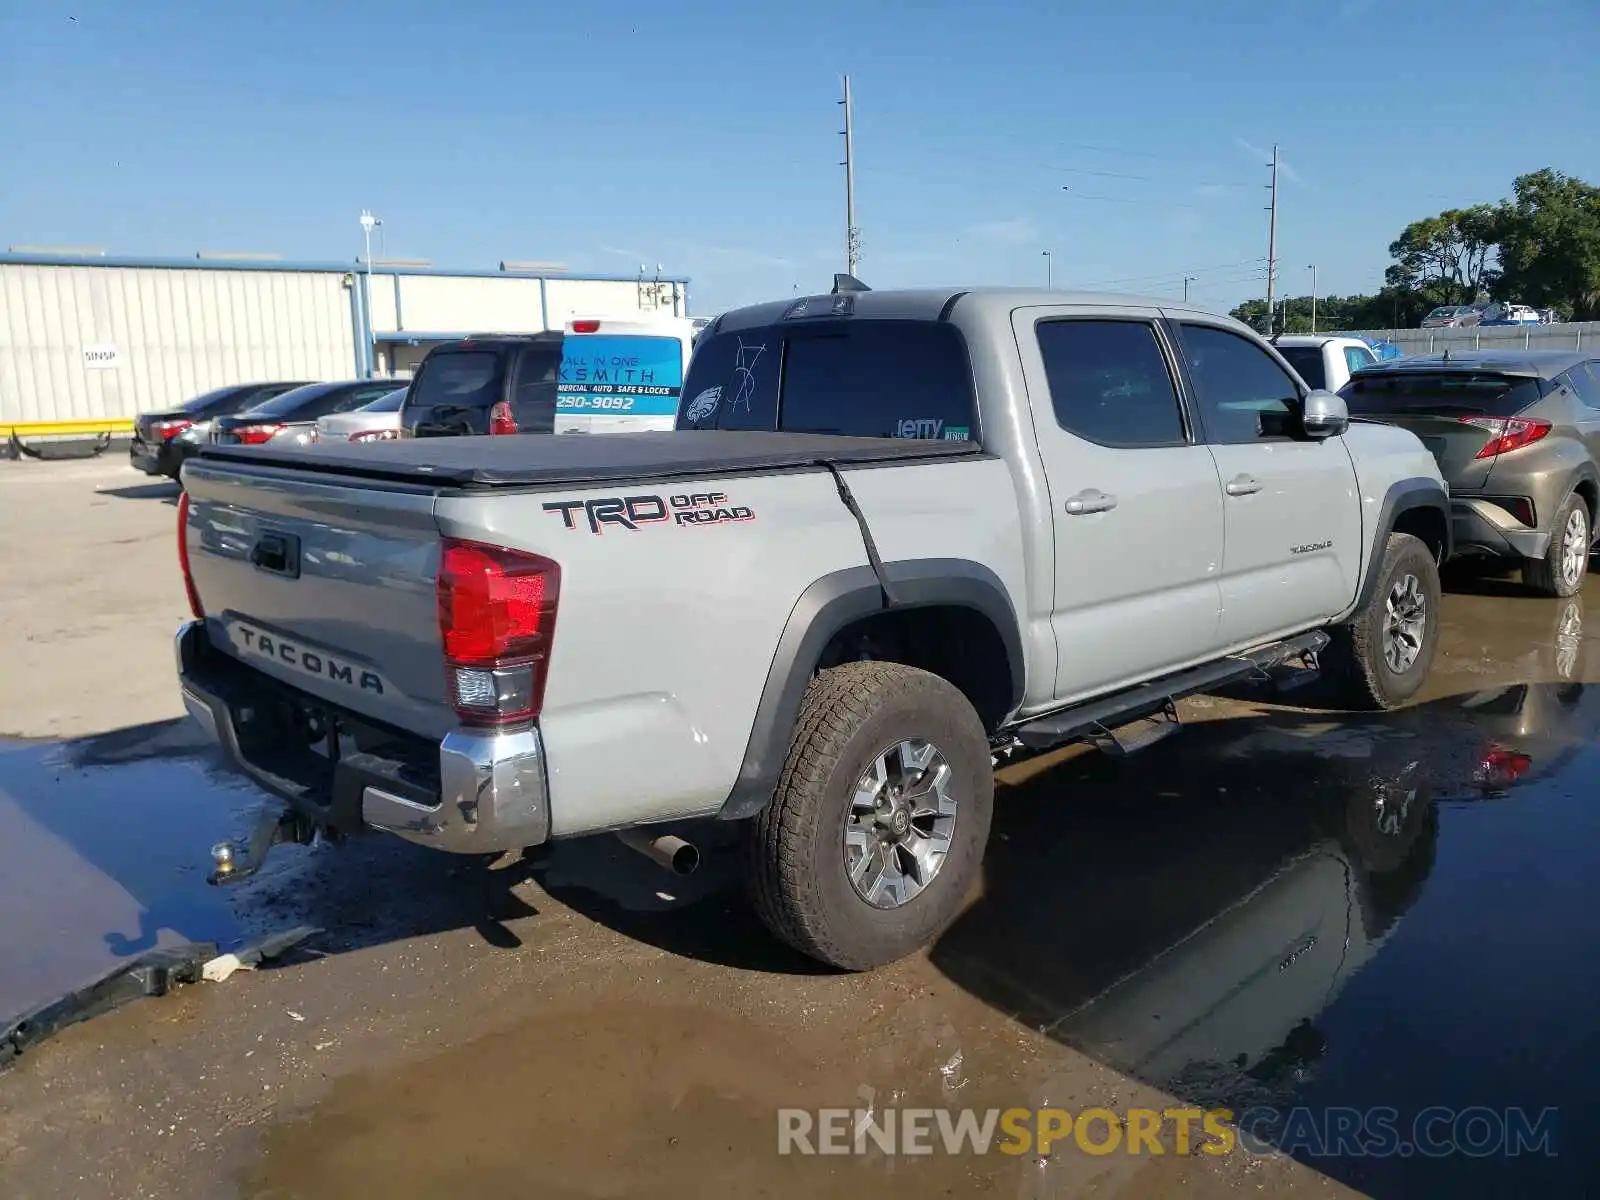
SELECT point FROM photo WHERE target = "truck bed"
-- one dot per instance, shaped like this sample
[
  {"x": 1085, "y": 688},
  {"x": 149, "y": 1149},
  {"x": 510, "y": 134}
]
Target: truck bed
[{"x": 532, "y": 461}]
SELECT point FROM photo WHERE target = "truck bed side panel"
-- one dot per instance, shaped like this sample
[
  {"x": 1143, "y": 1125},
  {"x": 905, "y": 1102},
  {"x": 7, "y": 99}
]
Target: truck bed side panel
[
  {"x": 958, "y": 510},
  {"x": 665, "y": 631}
]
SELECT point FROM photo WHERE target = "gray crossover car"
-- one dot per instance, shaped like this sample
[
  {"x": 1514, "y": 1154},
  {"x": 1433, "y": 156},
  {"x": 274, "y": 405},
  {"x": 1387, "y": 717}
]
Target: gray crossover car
[{"x": 1516, "y": 436}]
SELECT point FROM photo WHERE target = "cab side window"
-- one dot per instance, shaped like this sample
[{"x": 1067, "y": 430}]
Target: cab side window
[
  {"x": 1244, "y": 395},
  {"x": 1109, "y": 382}
]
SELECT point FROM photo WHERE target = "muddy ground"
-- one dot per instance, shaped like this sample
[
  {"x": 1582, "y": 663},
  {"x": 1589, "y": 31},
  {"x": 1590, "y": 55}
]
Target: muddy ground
[{"x": 1282, "y": 906}]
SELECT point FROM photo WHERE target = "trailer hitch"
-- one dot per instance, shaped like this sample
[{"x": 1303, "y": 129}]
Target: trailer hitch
[{"x": 232, "y": 862}]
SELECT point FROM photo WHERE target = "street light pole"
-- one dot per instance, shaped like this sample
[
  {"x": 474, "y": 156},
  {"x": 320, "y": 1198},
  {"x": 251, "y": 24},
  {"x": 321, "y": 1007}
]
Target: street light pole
[
  {"x": 368, "y": 224},
  {"x": 1049, "y": 270},
  {"x": 1187, "y": 280},
  {"x": 1312, "y": 267}
]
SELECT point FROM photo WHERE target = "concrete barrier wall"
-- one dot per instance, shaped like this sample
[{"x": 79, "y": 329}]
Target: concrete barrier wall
[{"x": 1573, "y": 335}]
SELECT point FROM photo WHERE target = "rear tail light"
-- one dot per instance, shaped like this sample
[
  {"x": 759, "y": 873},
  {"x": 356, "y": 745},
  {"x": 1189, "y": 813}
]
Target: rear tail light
[
  {"x": 1508, "y": 433},
  {"x": 167, "y": 430},
  {"x": 254, "y": 435},
  {"x": 183, "y": 557},
  {"x": 497, "y": 618},
  {"x": 374, "y": 435},
  {"x": 501, "y": 420},
  {"x": 585, "y": 326}
]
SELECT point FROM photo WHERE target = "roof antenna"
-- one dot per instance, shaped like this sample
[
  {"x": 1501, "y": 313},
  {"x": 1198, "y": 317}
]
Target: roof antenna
[
  {"x": 848, "y": 283},
  {"x": 1447, "y": 354}
]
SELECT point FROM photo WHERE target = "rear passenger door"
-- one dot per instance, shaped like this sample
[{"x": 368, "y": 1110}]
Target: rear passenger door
[
  {"x": 1136, "y": 501},
  {"x": 1293, "y": 526}
]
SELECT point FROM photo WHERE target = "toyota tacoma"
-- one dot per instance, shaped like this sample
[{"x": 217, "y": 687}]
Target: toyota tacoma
[{"x": 896, "y": 537}]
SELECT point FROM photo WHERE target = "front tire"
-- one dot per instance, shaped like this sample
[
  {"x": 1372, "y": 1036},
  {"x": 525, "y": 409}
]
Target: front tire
[
  {"x": 877, "y": 829},
  {"x": 1383, "y": 653},
  {"x": 1561, "y": 571}
]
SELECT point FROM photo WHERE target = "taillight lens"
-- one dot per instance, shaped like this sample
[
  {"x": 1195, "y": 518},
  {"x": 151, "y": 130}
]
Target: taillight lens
[
  {"x": 497, "y": 617},
  {"x": 501, "y": 420},
  {"x": 1508, "y": 433},
  {"x": 167, "y": 430},
  {"x": 585, "y": 326},
  {"x": 374, "y": 435},
  {"x": 183, "y": 557},
  {"x": 255, "y": 435}
]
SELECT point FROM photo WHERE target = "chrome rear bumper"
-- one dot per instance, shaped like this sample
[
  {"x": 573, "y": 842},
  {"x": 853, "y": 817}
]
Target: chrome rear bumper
[{"x": 489, "y": 792}]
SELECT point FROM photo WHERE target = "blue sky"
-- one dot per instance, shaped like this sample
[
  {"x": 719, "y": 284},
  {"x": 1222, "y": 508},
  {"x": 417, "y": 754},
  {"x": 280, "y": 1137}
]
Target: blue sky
[{"x": 704, "y": 136}]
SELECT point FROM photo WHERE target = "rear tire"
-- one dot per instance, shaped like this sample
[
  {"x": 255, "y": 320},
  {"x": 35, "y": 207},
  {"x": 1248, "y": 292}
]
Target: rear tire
[
  {"x": 1381, "y": 656},
  {"x": 1561, "y": 571},
  {"x": 889, "y": 780}
]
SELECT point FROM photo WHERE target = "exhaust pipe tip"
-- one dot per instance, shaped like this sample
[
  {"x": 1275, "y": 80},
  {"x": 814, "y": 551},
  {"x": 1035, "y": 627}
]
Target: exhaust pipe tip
[
  {"x": 686, "y": 859},
  {"x": 668, "y": 850}
]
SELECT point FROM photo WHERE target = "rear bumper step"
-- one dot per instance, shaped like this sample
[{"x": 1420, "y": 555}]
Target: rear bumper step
[
  {"x": 1096, "y": 720},
  {"x": 474, "y": 792}
]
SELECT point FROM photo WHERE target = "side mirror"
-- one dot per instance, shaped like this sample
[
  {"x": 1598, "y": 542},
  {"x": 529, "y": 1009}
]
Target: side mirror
[{"x": 1324, "y": 415}]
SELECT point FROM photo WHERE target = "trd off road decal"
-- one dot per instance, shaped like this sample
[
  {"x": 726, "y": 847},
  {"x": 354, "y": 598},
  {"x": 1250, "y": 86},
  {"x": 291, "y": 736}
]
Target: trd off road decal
[{"x": 635, "y": 512}]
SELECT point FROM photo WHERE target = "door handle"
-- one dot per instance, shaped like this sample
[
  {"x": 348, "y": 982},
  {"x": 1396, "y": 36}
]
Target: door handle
[
  {"x": 1090, "y": 500},
  {"x": 1243, "y": 485}
]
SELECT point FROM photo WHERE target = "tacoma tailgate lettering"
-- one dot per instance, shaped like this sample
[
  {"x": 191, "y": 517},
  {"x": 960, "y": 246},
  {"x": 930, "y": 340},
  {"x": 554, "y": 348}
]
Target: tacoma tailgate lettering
[{"x": 253, "y": 642}]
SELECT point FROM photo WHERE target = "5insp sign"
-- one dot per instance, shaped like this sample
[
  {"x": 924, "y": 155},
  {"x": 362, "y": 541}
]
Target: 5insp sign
[{"x": 102, "y": 356}]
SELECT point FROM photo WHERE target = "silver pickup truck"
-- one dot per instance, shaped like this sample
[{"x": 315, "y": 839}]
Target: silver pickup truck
[{"x": 896, "y": 537}]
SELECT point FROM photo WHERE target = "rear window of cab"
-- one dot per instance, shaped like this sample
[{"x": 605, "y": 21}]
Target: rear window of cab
[{"x": 870, "y": 378}]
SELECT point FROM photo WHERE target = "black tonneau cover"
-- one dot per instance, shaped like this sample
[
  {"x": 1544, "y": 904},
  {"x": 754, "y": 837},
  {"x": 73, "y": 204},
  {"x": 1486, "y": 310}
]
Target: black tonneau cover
[{"x": 490, "y": 462}]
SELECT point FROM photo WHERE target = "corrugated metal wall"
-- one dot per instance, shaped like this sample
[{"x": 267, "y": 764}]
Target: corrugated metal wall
[
  {"x": 568, "y": 298},
  {"x": 167, "y": 334}
]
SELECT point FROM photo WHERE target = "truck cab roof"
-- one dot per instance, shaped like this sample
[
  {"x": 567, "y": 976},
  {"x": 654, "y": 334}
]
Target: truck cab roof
[{"x": 937, "y": 303}]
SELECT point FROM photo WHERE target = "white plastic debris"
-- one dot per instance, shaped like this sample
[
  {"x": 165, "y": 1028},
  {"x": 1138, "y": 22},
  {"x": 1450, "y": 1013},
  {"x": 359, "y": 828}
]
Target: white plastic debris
[
  {"x": 293, "y": 1016},
  {"x": 220, "y": 967}
]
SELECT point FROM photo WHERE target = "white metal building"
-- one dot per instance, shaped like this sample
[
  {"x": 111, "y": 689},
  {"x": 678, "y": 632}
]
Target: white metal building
[{"x": 87, "y": 342}]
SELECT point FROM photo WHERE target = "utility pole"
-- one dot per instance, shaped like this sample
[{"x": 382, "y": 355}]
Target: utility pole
[
  {"x": 1049, "y": 271},
  {"x": 1313, "y": 268},
  {"x": 852, "y": 235},
  {"x": 1272, "y": 236},
  {"x": 1187, "y": 280}
]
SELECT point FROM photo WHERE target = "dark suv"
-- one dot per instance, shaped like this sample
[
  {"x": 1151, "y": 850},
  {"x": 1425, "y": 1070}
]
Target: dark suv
[{"x": 502, "y": 383}]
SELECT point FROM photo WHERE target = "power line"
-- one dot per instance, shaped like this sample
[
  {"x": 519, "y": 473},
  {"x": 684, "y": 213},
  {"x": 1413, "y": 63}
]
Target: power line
[
  {"x": 1162, "y": 275},
  {"x": 1072, "y": 195}
]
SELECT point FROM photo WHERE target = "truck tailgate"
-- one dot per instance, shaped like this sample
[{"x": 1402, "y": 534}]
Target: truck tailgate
[{"x": 326, "y": 583}]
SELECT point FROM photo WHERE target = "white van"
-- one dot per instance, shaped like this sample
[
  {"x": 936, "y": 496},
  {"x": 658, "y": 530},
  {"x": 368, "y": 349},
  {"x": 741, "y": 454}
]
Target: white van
[{"x": 623, "y": 375}]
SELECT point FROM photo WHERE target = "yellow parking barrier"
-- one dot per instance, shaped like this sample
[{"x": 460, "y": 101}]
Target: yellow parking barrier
[
  {"x": 101, "y": 429},
  {"x": 87, "y": 427}
]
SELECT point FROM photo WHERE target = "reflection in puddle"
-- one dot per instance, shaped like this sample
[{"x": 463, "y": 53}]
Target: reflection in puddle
[{"x": 1290, "y": 911}]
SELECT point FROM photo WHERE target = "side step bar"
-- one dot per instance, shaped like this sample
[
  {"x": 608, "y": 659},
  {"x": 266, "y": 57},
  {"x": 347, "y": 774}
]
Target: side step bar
[{"x": 1103, "y": 721}]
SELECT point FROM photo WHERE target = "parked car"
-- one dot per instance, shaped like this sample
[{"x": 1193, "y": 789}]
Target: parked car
[
  {"x": 1452, "y": 316},
  {"x": 162, "y": 441},
  {"x": 496, "y": 384},
  {"x": 378, "y": 421},
  {"x": 1511, "y": 314},
  {"x": 622, "y": 376},
  {"x": 293, "y": 415},
  {"x": 1516, "y": 436},
  {"x": 1325, "y": 360},
  {"x": 895, "y": 534}
]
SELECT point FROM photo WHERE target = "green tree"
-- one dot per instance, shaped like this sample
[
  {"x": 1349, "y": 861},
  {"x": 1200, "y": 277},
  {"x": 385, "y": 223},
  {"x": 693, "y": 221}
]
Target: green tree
[
  {"x": 1550, "y": 245},
  {"x": 1449, "y": 258}
]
